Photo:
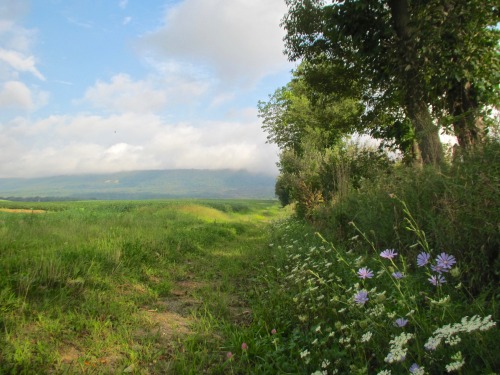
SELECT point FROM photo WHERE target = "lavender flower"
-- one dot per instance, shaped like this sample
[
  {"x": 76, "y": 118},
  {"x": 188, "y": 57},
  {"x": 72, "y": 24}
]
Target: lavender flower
[
  {"x": 423, "y": 259},
  {"x": 365, "y": 273},
  {"x": 416, "y": 369},
  {"x": 437, "y": 268},
  {"x": 397, "y": 275},
  {"x": 437, "y": 280},
  {"x": 361, "y": 297},
  {"x": 388, "y": 254},
  {"x": 445, "y": 261},
  {"x": 401, "y": 322}
]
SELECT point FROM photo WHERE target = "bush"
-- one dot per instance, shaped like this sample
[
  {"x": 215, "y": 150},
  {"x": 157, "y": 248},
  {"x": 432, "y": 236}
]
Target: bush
[{"x": 458, "y": 208}]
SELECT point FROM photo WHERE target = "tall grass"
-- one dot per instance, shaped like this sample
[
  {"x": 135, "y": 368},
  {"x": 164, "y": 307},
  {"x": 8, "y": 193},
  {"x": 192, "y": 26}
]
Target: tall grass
[{"x": 93, "y": 287}]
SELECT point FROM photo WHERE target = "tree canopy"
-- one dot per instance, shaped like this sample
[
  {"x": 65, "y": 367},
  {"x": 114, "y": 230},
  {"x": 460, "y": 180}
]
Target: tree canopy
[{"x": 428, "y": 60}]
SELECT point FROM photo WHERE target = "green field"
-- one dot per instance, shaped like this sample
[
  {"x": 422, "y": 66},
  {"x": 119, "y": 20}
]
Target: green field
[
  {"x": 146, "y": 287},
  {"x": 229, "y": 287}
]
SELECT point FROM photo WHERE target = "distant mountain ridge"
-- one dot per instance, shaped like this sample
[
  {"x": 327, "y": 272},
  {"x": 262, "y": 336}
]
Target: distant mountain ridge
[{"x": 147, "y": 184}]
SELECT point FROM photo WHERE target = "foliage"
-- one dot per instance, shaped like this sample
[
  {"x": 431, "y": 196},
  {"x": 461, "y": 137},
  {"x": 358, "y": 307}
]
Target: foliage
[
  {"x": 406, "y": 56},
  {"x": 457, "y": 207},
  {"x": 320, "y": 176},
  {"x": 355, "y": 308},
  {"x": 297, "y": 114}
]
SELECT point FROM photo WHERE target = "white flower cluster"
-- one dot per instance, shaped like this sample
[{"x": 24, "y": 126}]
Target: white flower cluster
[
  {"x": 398, "y": 351},
  {"x": 366, "y": 337},
  {"x": 448, "y": 332},
  {"x": 457, "y": 365}
]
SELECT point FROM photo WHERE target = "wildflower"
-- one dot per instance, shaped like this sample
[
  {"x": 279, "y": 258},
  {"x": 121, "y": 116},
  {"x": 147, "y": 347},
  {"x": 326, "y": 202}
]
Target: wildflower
[
  {"x": 365, "y": 273},
  {"x": 244, "y": 346},
  {"x": 401, "y": 322},
  {"x": 457, "y": 365},
  {"x": 442, "y": 301},
  {"x": 423, "y": 259},
  {"x": 388, "y": 254},
  {"x": 437, "y": 268},
  {"x": 361, "y": 297},
  {"x": 416, "y": 369},
  {"x": 384, "y": 372},
  {"x": 366, "y": 337},
  {"x": 432, "y": 343},
  {"x": 229, "y": 355},
  {"x": 436, "y": 280},
  {"x": 397, "y": 275},
  {"x": 273, "y": 331},
  {"x": 325, "y": 363},
  {"x": 445, "y": 261},
  {"x": 398, "y": 351},
  {"x": 448, "y": 331},
  {"x": 304, "y": 354}
]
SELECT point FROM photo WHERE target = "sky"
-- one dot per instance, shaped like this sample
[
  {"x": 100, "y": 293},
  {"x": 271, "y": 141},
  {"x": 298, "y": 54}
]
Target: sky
[{"x": 116, "y": 85}]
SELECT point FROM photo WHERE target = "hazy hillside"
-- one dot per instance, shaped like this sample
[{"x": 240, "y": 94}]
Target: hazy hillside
[{"x": 143, "y": 185}]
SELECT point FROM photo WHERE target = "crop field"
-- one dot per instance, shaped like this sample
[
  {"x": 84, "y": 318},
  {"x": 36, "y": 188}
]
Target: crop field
[{"x": 146, "y": 287}]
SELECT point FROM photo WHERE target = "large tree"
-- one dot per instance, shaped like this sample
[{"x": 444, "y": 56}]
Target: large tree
[
  {"x": 392, "y": 46},
  {"x": 463, "y": 63},
  {"x": 303, "y": 111}
]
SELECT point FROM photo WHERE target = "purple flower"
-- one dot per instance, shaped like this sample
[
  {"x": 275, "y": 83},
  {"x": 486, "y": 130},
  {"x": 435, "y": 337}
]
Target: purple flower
[
  {"x": 361, "y": 297},
  {"x": 401, "y": 322},
  {"x": 244, "y": 346},
  {"x": 445, "y": 261},
  {"x": 388, "y": 254},
  {"x": 397, "y": 275},
  {"x": 273, "y": 331},
  {"x": 437, "y": 280},
  {"x": 229, "y": 355},
  {"x": 437, "y": 268},
  {"x": 423, "y": 259},
  {"x": 414, "y": 368},
  {"x": 365, "y": 273}
]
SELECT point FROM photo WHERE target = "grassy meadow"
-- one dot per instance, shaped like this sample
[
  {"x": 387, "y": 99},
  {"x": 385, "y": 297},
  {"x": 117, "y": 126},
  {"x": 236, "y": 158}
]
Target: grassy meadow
[
  {"x": 246, "y": 287},
  {"x": 146, "y": 287}
]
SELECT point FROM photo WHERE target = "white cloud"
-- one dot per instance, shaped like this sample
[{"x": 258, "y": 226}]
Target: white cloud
[
  {"x": 20, "y": 63},
  {"x": 88, "y": 144},
  {"x": 123, "y": 4},
  {"x": 153, "y": 94},
  {"x": 239, "y": 40},
  {"x": 122, "y": 94},
  {"x": 16, "y": 95}
]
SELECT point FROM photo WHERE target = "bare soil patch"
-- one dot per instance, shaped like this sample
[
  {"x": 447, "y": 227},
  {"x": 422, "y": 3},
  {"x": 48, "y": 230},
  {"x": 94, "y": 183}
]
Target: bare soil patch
[{"x": 22, "y": 211}]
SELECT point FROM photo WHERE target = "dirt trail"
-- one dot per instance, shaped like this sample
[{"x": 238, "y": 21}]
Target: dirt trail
[{"x": 22, "y": 211}]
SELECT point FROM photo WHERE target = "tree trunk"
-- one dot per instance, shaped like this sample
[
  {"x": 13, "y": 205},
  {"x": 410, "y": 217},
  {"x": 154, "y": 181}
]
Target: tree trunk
[
  {"x": 462, "y": 105},
  {"x": 412, "y": 85},
  {"x": 426, "y": 132}
]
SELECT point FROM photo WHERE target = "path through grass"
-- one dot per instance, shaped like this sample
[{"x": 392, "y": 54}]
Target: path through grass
[{"x": 137, "y": 287}]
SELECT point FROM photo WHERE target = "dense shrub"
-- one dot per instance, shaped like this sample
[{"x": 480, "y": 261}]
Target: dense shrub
[{"x": 457, "y": 206}]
